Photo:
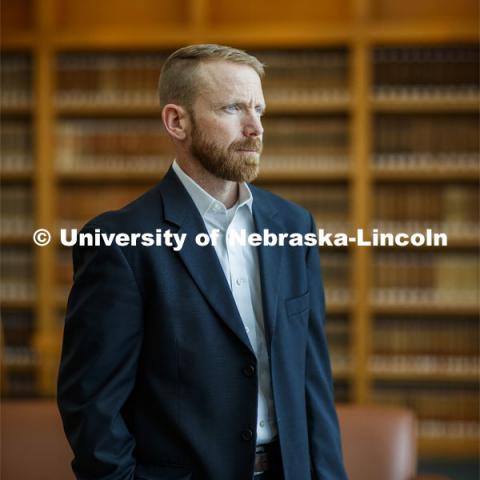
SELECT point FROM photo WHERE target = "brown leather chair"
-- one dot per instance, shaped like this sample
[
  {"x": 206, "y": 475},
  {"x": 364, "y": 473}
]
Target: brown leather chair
[
  {"x": 379, "y": 443},
  {"x": 33, "y": 444}
]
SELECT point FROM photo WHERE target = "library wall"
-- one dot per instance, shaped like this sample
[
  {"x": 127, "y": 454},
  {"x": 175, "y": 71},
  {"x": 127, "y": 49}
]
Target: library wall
[{"x": 372, "y": 122}]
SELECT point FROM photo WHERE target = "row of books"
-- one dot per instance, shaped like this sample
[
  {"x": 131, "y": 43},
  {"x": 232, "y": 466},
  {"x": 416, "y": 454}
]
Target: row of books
[
  {"x": 158, "y": 164},
  {"x": 123, "y": 139},
  {"x": 17, "y": 320},
  {"x": 449, "y": 430},
  {"x": 20, "y": 383},
  {"x": 16, "y": 210},
  {"x": 342, "y": 391},
  {"x": 394, "y": 134},
  {"x": 91, "y": 78},
  {"x": 288, "y": 135},
  {"x": 78, "y": 203},
  {"x": 456, "y": 230},
  {"x": 340, "y": 358},
  {"x": 336, "y": 275},
  {"x": 134, "y": 144},
  {"x": 423, "y": 297},
  {"x": 440, "y": 336},
  {"x": 426, "y": 162},
  {"x": 447, "y": 203},
  {"x": 18, "y": 356},
  {"x": 424, "y": 364},
  {"x": 432, "y": 67},
  {"x": 450, "y": 208},
  {"x": 337, "y": 327},
  {"x": 19, "y": 289},
  {"x": 439, "y": 402},
  {"x": 421, "y": 134},
  {"x": 17, "y": 327},
  {"x": 16, "y": 272},
  {"x": 427, "y": 276},
  {"x": 16, "y": 79},
  {"x": 307, "y": 61},
  {"x": 16, "y": 146},
  {"x": 309, "y": 144},
  {"x": 132, "y": 78},
  {"x": 421, "y": 93},
  {"x": 305, "y": 76},
  {"x": 292, "y": 75}
]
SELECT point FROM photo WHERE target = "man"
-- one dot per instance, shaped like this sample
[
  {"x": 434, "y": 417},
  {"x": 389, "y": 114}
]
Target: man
[{"x": 201, "y": 363}]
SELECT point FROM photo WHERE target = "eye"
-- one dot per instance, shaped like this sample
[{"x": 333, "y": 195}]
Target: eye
[
  {"x": 234, "y": 107},
  {"x": 260, "y": 111}
]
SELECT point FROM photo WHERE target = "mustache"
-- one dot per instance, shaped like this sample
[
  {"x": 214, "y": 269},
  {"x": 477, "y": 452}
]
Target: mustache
[{"x": 251, "y": 144}]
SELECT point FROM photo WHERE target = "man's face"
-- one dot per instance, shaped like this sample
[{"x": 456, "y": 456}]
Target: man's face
[{"x": 226, "y": 135}]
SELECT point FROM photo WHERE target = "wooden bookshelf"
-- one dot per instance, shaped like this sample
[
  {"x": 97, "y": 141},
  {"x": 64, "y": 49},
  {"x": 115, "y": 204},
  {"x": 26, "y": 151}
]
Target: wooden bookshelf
[
  {"x": 448, "y": 447},
  {"x": 421, "y": 175},
  {"x": 424, "y": 309},
  {"x": 15, "y": 240},
  {"x": 49, "y": 29},
  {"x": 424, "y": 377},
  {"x": 144, "y": 177},
  {"x": 17, "y": 304},
  {"x": 16, "y": 177},
  {"x": 426, "y": 104},
  {"x": 152, "y": 109}
]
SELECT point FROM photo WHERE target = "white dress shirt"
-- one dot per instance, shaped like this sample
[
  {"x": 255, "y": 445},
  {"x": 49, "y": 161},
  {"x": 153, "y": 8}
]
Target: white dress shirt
[{"x": 240, "y": 265}]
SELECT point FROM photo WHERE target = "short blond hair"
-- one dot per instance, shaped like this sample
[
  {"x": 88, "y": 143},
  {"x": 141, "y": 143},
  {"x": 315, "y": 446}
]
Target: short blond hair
[{"x": 179, "y": 79}]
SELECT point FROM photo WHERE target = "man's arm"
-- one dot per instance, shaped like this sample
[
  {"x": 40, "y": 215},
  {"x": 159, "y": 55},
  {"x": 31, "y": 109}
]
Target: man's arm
[
  {"x": 102, "y": 340},
  {"x": 324, "y": 433}
]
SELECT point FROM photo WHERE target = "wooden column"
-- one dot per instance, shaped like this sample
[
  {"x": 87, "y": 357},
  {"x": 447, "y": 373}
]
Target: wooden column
[
  {"x": 44, "y": 188},
  {"x": 360, "y": 203}
]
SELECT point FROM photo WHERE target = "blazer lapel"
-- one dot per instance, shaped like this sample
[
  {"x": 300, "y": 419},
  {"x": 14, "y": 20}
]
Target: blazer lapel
[
  {"x": 201, "y": 262},
  {"x": 270, "y": 262}
]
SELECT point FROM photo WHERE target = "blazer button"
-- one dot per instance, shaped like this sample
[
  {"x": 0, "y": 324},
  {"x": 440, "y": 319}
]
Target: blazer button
[
  {"x": 247, "y": 435},
  {"x": 249, "y": 370}
]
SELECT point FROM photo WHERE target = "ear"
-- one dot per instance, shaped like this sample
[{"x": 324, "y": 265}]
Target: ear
[{"x": 176, "y": 121}]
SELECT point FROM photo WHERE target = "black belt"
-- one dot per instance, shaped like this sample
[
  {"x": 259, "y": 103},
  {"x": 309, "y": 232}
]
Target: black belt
[{"x": 265, "y": 457}]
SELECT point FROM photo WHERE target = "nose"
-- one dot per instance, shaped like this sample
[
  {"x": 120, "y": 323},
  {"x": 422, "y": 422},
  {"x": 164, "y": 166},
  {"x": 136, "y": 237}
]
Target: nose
[{"x": 253, "y": 125}]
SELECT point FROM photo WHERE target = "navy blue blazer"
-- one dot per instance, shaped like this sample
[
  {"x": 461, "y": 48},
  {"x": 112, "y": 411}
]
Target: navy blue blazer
[{"x": 156, "y": 380}]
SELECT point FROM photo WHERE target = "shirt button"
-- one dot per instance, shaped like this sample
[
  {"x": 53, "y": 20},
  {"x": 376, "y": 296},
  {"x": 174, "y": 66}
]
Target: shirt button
[
  {"x": 249, "y": 370},
  {"x": 247, "y": 435},
  {"x": 262, "y": 423},
  {"x": 238, "y": 281}
]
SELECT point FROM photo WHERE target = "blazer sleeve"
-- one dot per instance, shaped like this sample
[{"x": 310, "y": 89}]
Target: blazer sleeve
[
  {"x": 101, "y": 344},
  {"x": 324, "y": 432}
]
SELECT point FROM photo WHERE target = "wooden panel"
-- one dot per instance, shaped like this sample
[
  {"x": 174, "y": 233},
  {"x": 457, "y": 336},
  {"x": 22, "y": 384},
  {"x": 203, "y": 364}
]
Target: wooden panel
[
  {"x": 108, "y": 14},
  {"x": 16, "y": 15},
  {"x": 226, "y": 12},
  {"x": 424, "y": 10}
]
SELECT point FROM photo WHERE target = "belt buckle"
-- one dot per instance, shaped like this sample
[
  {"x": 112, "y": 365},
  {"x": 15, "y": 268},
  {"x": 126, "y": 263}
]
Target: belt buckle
[{"x": 261, "y": 462}]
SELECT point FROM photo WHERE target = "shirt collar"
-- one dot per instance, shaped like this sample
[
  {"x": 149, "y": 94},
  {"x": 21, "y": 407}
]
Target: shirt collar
[{"x": 204, "y": 201}]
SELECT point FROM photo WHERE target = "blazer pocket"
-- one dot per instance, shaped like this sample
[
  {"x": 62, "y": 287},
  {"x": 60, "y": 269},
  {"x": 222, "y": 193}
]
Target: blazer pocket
[{"x": 298, "y": 305}]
